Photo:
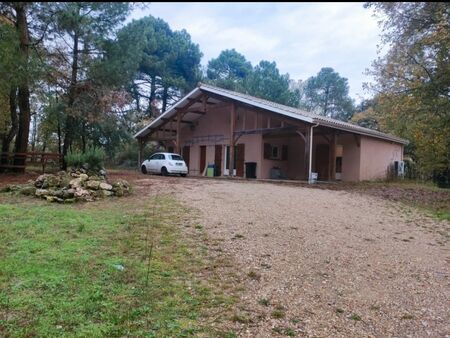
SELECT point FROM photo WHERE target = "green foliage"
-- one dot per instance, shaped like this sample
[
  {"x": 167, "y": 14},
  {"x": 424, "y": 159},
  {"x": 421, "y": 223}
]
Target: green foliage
[
  {"x": 229, "y": 70},
  {"x": 266, "y": 82},
  {"x": 169, "y": 62},
  {"x": 94, "y": 157},
  {"x": 59, "y": 273},
  {"x": 75, "y": 159},
  {"x": 327, "y": 94},
  {"x": 366, "y": 115},
  {"x": 10, "y": 61},
  {"x": 127, "y": 154},
  {"x": 412, "y": 79}
]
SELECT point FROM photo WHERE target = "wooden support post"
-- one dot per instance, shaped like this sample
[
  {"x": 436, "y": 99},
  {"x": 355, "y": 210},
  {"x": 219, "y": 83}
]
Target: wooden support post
[
  {"x": 232, "y": 126},
  {"x": 332, "y": 175},
  {"x": 178, "y": 146},
  {"x": 306, "y": 158}
]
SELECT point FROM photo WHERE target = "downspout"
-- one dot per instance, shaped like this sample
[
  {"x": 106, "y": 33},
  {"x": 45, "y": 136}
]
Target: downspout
[{"x": 310, "y": 151}]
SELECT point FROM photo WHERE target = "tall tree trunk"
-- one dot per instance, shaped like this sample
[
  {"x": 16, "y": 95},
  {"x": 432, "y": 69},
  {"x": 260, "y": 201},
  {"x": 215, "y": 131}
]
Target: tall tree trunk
[
  {"x": 83, "y": 138},
  {"x": 136, "y": 97},
  {"x": 164, "y": 98},
  {"x": 70, "y": 119},
  {"x": 59, "y": 137},
  {"x": 24, "y": 92},
  {"x": 7, "y": 139},
  {"x": 152, "y": 96},
  {"x": 325, "y": 108},
  {"x": 34, "y": 133}
]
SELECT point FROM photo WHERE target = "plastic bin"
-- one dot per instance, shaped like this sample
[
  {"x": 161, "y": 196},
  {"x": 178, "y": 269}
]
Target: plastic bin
[
  {"x": 250, "y": 169},
  {"x": 210, "y": 170}
]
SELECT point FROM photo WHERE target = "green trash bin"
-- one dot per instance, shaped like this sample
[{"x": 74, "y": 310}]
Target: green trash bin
[{"x": 210, "y": 170}]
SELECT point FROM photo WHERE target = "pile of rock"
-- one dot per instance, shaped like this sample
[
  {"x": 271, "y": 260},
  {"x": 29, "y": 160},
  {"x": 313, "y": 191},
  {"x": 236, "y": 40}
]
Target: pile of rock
[{"x": 73, "y": 186}]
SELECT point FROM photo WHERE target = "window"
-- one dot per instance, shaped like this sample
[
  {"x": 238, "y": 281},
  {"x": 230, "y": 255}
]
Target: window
[
  {"x": 176, "y": 157},
  {"x": 275, "y": 154},
  {"x": 161, "y": 157},
  {"x": 154, "y": 157}
]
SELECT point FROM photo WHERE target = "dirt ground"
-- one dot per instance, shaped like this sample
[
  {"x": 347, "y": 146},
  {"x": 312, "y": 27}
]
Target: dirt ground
[
  {"x": 321, "y": 263},
  {"x": 318, "y": 262}
]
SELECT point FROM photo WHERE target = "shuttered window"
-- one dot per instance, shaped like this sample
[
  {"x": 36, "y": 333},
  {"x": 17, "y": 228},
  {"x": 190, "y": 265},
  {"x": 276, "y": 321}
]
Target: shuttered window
[{"x": 267, "y": 151}]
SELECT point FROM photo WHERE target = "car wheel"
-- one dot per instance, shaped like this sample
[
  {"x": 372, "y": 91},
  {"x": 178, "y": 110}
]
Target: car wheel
[
  {"x": 183, "y": 175},
  {"x": 144, "y": 169},
  {"x": 164, "y": 171}
]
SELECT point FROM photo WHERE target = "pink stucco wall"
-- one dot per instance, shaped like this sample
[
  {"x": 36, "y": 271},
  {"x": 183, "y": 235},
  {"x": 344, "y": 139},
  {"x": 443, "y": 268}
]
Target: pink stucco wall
[
  {"x": 376, "y": 156},
  {"x": 351, "y": 157},
  {"x": 369, "y": 160}
]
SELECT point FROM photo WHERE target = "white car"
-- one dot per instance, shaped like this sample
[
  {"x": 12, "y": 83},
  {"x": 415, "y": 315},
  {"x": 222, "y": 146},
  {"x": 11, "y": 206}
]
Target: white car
[{"x": 164, "y": 164}]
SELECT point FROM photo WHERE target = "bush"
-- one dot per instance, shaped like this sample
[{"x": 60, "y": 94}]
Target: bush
[
  {"x": 75, "y": 159},
  {"x": 94, "y": 157},
  {"x": 442, "y": 178},
  {"x": 128, "y": 154}
]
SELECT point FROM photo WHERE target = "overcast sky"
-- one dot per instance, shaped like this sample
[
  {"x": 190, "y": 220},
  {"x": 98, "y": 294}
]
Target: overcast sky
[{"x": 300, "y": 37}]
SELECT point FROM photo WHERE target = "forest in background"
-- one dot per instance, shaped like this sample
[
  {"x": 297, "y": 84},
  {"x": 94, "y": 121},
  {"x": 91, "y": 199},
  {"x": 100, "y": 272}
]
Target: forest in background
[{"x": 74, "y": 75}]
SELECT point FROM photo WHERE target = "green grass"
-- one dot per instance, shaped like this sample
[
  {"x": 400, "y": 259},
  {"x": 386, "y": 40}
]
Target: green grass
[{"x": 61, "y": 272}]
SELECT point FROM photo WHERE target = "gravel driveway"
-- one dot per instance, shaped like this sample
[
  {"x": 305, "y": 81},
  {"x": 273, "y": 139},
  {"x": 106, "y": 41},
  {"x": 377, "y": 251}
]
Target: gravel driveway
[{"x": 323, "y": 263}]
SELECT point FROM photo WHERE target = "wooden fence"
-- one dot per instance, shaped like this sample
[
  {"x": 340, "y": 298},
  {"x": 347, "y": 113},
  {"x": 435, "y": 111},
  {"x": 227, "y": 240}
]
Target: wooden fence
[{"x": 19, "y": 161}]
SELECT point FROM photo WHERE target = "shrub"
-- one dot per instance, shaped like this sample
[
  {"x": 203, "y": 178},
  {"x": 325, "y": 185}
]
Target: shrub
[
  {"x": 75, "y": 159},
  {"x": 128, "y": 154},
  {"x": 442, "y": 178},
  {"x": 94, "y": 157}
]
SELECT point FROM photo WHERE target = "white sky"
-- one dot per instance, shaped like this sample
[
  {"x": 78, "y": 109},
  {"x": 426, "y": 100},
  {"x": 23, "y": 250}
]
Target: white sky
[{"x": 300, "y": 37}]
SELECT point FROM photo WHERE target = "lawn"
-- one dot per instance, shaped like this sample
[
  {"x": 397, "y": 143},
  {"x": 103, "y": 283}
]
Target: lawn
[{"x": 106, "y": 269}]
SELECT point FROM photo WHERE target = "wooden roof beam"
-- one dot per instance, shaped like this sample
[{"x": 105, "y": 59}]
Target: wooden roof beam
[{"x": 175, "y": 120}]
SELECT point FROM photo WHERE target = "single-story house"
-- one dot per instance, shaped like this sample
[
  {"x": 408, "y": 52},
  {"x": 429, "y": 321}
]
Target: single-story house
[{"x": 263, "y": 139}]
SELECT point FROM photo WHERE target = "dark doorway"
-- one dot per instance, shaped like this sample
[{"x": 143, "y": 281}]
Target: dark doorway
[
  {"x": 240, "y": 158},
  {"x": 202, "y": 159},
  {"x": 187, "y": 155},
  {"x": 218, "y": 160},
  {"x": 322, "y": 161}
]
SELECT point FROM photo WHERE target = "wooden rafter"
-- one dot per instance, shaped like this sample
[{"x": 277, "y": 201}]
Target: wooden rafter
[
  {"x": 264, "y": 130},
  {"x": 182, "y": 121}
]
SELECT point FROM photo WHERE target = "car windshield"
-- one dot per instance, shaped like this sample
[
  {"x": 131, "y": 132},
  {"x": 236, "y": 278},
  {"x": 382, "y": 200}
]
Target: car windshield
[{"x": 176, "y": 157}]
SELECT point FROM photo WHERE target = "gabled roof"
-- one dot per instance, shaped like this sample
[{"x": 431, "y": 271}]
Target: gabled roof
[{"x": 274, "y": 107}]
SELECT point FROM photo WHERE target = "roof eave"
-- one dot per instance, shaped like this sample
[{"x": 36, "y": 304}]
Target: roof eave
[
  {"x": 368, "y": 133},
  {"x": 167, "y": 112}
]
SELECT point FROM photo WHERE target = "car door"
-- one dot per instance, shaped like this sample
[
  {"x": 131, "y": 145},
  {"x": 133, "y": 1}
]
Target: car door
[
  {"x": 160, "y": 163},
  {"x": 152, "y": 162}
]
